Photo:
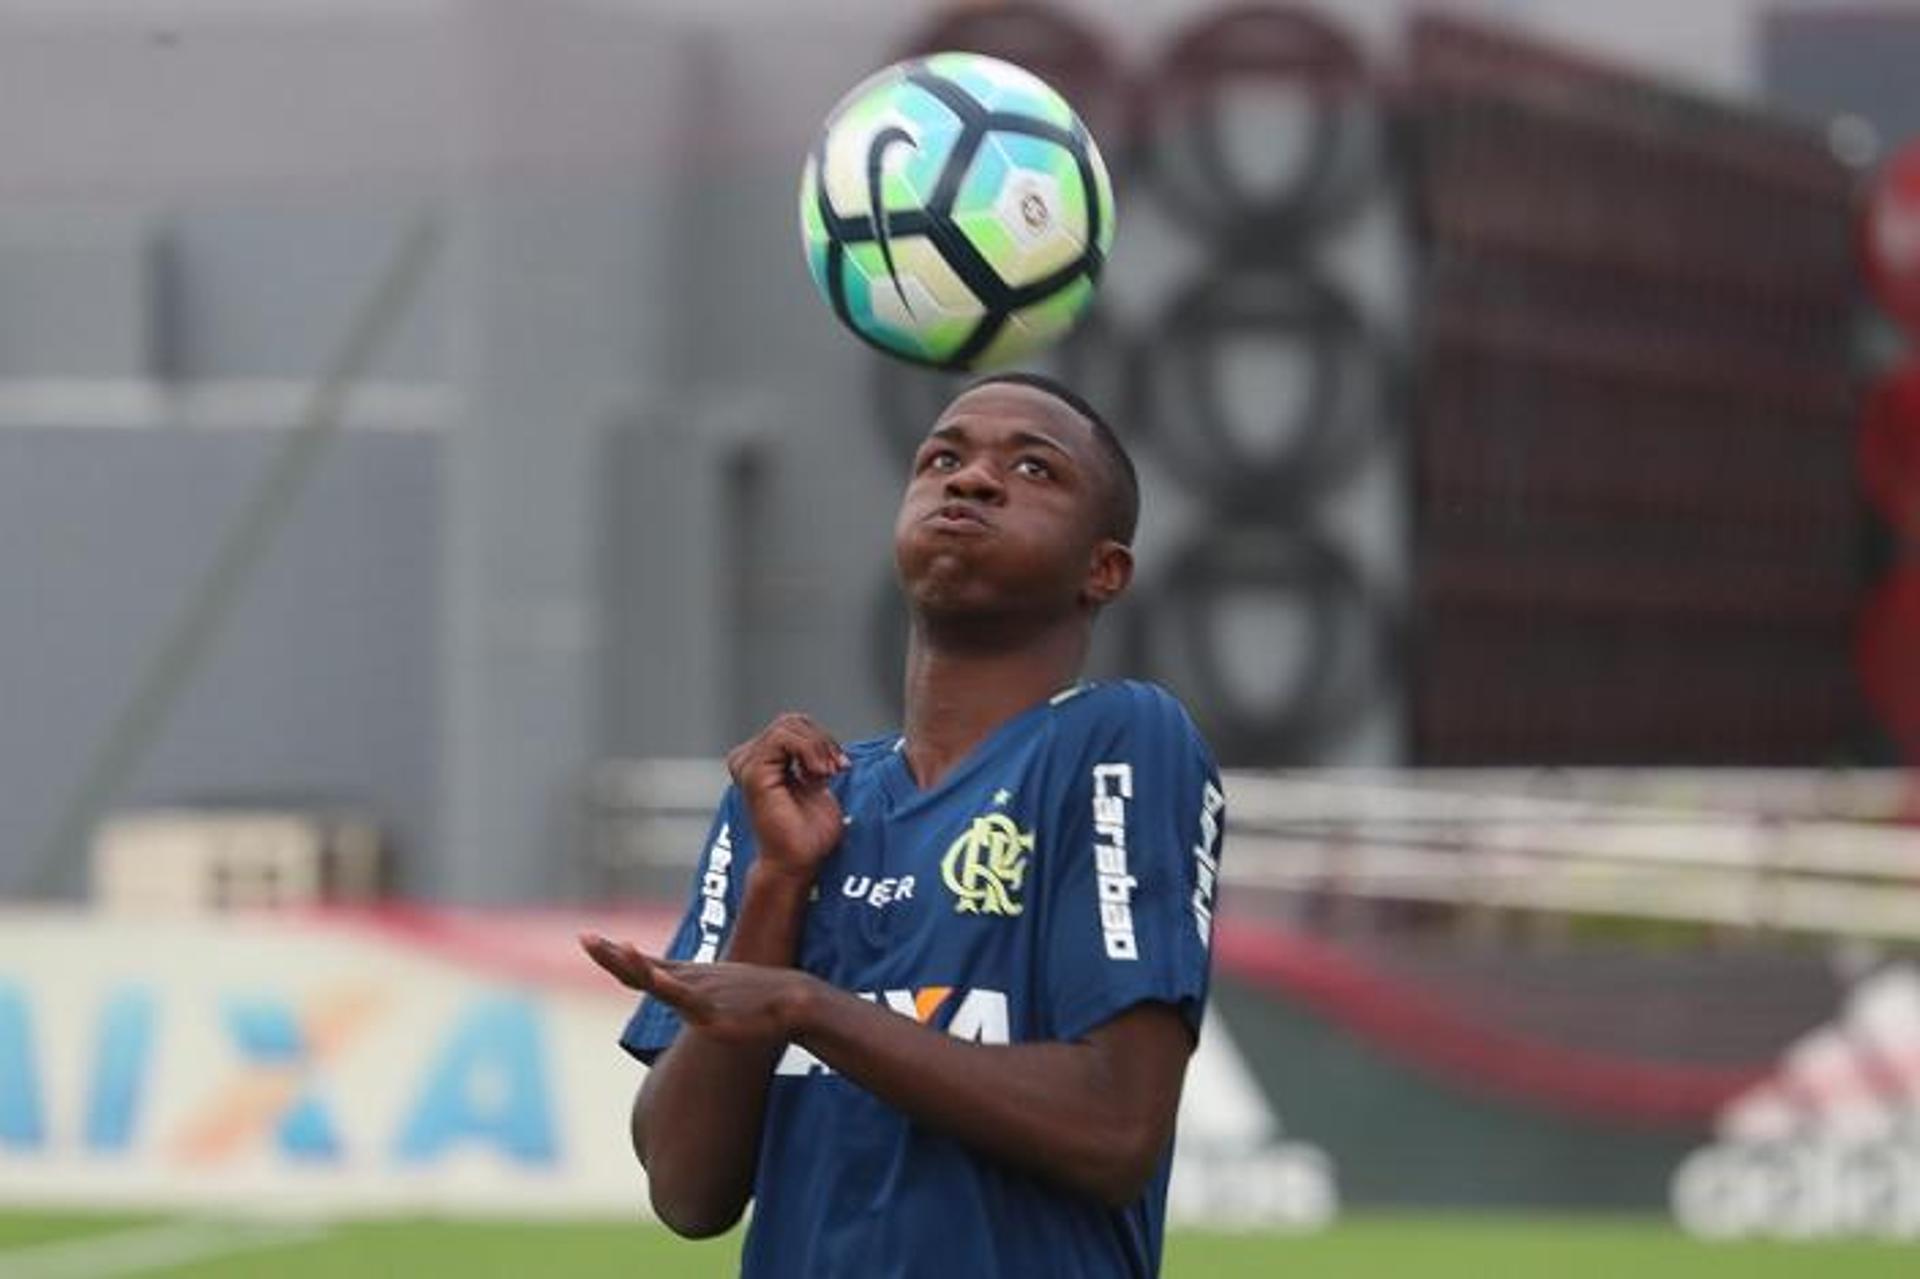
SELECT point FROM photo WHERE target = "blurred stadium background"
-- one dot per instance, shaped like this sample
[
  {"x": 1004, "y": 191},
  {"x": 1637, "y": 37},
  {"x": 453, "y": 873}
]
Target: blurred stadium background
[{"x": 422, "y": 454}]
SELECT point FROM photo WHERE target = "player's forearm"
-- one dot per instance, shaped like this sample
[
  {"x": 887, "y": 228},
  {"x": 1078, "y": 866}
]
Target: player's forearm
[
  {"x": 696, "y": 1126},
  {"x": 1055, "y": 1109},
  {"x": 773, "y": 906},
  {"x": 696, "y": 1129}
]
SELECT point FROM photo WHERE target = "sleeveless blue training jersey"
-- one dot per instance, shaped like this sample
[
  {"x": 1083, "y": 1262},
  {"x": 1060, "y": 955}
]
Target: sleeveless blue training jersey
[{"x": 1060, "y": 874}]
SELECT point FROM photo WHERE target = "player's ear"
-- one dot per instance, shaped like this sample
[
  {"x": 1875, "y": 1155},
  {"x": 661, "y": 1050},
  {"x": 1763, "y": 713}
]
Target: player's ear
[{"x": 1109, "y": 572}]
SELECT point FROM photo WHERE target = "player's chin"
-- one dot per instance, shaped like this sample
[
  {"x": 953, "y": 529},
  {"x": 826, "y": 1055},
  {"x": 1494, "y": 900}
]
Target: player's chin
[
  {"x": 951, "y": 585},
  {"x": 925, "y": 550}
]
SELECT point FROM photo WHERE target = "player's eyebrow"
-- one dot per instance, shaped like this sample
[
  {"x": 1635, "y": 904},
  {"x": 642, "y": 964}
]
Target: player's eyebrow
[
  {"x": 1033, "y": 439},
  {"x": 955, "y": 432}
]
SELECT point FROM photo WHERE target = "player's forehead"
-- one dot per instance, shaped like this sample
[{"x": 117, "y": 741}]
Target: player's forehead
[{"x": 1002, "y": 410}]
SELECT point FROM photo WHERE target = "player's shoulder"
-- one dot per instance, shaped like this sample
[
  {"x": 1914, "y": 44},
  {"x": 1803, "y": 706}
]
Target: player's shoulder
[
  {"x": 1129, "y": 715},
  {"x": 1126, "y": 706},
  {"x": 869, "y": 751}
]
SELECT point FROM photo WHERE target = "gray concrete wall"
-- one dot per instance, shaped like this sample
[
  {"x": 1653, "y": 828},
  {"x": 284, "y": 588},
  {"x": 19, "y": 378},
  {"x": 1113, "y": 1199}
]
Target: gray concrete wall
[
  {"x": 320, "y": 690},
  {"x": 570, "y": 265},
  {"x": 200, "y": 198}
]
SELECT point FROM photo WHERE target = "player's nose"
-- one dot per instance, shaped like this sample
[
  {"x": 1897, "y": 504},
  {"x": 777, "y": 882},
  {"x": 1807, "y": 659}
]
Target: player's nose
[{"x": 976, "y": 481}]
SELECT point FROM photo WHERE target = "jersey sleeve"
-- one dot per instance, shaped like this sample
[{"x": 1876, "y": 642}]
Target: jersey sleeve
[
  {"x": 706, "y": 927},
  {"x": 1133, "y": 885}
]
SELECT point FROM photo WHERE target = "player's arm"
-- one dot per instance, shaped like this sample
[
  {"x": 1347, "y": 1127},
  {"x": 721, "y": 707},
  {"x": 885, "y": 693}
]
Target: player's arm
[
  {"x": 696, "y": 1119},
  {"x": 1094, "y": 1114}
]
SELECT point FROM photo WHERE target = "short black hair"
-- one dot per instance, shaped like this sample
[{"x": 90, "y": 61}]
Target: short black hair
[{"x": 1122, "y": 515}]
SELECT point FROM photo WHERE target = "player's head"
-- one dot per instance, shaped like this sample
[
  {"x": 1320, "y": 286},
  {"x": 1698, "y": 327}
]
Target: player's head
[
  {"x": 1021, "y": 504},
  {"x": 1121, "y": 500}
]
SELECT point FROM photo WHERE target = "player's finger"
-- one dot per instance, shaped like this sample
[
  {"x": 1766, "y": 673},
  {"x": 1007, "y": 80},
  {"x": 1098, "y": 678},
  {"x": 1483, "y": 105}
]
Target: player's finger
[
  {"x": 762, "y": 757},
  {"x": 603, "y": 953},
  {"x": 828, "y": 758},
  {"x": 823, "y": 754},
  {"x": 644, "y": 973},
  {"x": 808, "y": 769},
  {"x": 665, "y": 981},
  {"x": 769, "y": 755},
  {"x": 625, "y": 964},
  {"x": 792, "y": 745},
  {"x": 811, "y": 750}
]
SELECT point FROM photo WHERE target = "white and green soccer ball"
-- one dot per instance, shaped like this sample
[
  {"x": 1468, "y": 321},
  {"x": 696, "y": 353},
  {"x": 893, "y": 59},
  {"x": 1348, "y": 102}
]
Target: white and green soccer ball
[{"x": 956, "y": 212}]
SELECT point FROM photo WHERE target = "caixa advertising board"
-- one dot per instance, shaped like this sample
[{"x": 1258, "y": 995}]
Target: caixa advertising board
[
  {"x": 308, "y": 1064},
  {"x": 400, "y": 1064}
]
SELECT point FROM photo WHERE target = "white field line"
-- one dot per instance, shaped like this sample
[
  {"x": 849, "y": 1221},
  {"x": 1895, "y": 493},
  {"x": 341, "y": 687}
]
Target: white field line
[{"x": 143, "y": 1249}]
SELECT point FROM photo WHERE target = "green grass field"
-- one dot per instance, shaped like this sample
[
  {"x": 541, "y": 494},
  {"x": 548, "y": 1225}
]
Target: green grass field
[{"x": 75, "y": 1247}]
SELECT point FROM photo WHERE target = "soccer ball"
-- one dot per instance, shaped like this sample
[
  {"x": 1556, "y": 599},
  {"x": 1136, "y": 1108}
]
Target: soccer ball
[{"x": 956, "y": 212}]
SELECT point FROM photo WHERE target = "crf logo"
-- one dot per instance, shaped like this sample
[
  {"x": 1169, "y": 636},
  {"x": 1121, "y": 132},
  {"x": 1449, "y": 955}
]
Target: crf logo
[
  {"x": 986, "y": 867},
  {"x": 977, "y": 1015}
]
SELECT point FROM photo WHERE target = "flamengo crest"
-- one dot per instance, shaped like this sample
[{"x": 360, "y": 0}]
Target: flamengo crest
[{"x": 986, "y": 867}]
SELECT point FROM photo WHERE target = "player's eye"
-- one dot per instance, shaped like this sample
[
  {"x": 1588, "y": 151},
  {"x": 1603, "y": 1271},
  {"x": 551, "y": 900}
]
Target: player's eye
[
  {"x": 940, "y": 460},
  {"x": 1034, "y": 468}
]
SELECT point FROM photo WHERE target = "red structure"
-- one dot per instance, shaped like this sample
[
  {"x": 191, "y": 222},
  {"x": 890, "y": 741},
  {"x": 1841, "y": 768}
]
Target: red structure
[{"x": 1889, "y": 645}]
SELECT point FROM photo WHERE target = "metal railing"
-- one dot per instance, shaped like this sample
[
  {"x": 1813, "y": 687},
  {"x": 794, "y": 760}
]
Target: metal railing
[{"x": 1834, "y": 853}]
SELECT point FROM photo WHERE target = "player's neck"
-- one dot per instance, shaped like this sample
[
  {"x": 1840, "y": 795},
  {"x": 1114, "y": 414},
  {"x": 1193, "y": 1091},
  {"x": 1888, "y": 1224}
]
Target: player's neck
[{"x": 957, "y": 696}]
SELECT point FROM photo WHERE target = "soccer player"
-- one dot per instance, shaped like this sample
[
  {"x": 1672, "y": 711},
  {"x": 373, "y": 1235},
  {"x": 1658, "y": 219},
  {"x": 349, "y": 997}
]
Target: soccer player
[{"x": 931, "y": 1006}]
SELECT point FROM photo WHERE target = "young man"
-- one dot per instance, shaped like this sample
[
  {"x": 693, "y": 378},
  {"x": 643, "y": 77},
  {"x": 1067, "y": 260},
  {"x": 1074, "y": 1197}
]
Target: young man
[{"x": 962, "y": 968}]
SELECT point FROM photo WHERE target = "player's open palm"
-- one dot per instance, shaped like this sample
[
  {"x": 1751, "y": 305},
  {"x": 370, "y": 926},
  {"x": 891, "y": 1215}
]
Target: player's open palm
[
  {"x": 738, "y": 1003},
  {"x": 783, "y": 774}
]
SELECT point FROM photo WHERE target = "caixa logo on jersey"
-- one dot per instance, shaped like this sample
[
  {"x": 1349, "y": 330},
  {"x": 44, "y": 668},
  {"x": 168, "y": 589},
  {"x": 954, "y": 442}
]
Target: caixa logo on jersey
[
  {"x": 979, "y": 1015},
  {"x": 1827, "y": 1145}
]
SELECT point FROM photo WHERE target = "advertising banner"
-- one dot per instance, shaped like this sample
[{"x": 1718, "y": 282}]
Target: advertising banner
[
  {"x": 405, "y": 1063},
  {"x": 312, "y": 1064}
]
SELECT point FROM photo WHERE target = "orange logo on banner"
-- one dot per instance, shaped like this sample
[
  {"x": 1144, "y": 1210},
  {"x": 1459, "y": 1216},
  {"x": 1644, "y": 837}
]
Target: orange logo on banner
[{"x": 252, "y": 1103}]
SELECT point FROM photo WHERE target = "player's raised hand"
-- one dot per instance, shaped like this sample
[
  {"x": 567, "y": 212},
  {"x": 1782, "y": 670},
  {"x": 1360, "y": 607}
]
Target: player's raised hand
[
  {"x": 782, "y": 773},
  {"x": 740, "y": 1003}
]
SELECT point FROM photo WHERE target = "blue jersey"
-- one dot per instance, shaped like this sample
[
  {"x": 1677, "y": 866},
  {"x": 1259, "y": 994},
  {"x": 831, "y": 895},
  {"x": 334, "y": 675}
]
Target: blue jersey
[{"x": 1060, "y": 874}]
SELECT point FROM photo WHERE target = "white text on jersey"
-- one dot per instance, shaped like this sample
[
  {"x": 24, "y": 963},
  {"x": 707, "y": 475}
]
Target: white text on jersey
[
  {"x": 878, "y": 893},
  {"x": 980, "y": 1017},
  {"x": 1112, "y": 788},
  {"x": 713, "y": 896},
  {"x": 1206, "y": 860}
]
